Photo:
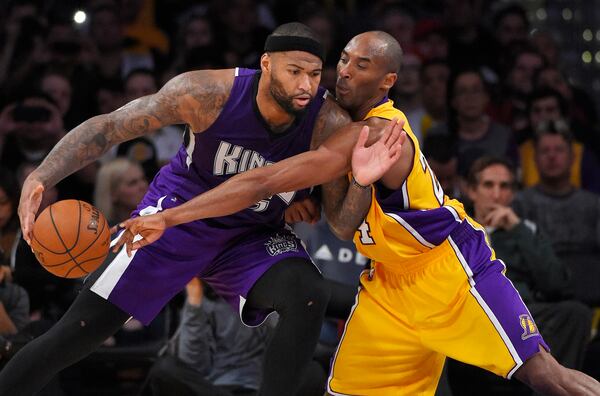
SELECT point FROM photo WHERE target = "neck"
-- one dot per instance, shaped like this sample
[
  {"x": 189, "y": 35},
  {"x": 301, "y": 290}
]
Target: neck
[
  {"x": 275, "y": 116},
  {"x": 361, "y": 112},
  {"x": 558, "y": 186},
  {"x": 472, "y": 128}
]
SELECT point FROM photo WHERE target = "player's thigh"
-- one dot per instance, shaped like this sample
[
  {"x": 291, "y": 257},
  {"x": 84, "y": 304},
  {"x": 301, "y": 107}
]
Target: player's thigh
[
  {"x": 379, "y": 354},
  {"x": 490, "y": 327}
]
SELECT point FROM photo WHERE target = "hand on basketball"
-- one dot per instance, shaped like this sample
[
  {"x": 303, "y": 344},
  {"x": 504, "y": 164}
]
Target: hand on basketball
[
  {"x": 149, "y": 228},
  {"x": 29, "y": 204},
  {"x": 369, "y": 164}
]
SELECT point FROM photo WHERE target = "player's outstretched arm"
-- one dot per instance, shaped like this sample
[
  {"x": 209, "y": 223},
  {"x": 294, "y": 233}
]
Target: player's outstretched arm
[
  {"x": 187, "y": 98},
  {"x": 345, "y": 201},
  {"x": 330, "y": 160}
]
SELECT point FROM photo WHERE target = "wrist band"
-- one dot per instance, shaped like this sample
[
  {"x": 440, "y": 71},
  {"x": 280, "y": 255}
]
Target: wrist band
[{"x": 357, "y": 184}]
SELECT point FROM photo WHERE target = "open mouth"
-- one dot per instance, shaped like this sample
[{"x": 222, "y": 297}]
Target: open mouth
[{"x": 302, "y": 101}]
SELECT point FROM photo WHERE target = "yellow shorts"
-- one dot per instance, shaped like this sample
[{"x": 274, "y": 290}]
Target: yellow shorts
[{"x": 451, "y": 301}]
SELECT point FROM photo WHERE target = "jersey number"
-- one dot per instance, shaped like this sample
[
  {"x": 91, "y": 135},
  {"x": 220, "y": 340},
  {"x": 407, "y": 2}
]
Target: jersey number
[
  {"x": 365, "y": 234},
  {"x": 437, "y": 187}
]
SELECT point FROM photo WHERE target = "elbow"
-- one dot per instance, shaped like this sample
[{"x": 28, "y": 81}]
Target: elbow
[{"x": 343, "y": 233}]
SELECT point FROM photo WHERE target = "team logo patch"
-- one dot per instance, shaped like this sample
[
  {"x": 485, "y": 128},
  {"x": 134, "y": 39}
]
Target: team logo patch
[
  {"x": 528, "y": 325},
  {"x": 279, "y": 244}
]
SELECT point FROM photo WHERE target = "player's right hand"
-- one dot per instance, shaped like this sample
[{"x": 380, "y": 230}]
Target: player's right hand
[
  {"x": 29, "y": 204},
  {"x": 147, "y": 229},
  {"x": 307, "y": 210}
]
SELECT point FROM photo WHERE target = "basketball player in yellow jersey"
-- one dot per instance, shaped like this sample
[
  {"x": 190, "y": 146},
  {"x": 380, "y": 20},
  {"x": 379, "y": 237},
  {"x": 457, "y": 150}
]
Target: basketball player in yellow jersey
[
  {"x": 441, "y": 295},
  {"x": 435, "y": 287}
]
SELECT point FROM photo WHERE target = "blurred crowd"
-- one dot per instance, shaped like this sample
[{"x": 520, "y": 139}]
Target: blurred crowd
[{"x": 498, "y": 120}]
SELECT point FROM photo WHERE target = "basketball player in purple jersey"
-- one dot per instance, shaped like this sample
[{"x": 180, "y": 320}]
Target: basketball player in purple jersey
[
  {"x": 237, "y": 120},
  {"x": 461, "y": 305}
]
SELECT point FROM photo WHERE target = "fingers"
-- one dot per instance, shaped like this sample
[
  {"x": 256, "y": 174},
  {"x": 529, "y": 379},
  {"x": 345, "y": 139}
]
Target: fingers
[{"x": 362, "y": 138}]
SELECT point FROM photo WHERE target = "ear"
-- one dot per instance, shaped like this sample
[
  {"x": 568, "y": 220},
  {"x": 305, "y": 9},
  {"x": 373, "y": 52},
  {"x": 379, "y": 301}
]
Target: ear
[
  {"x": 265, "y": 63},
  {"x": 389, "y": 80}
]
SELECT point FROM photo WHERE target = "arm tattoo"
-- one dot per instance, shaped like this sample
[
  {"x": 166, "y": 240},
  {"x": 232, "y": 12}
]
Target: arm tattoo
[
  {"x": 195, "y": 98},
  {"x": 345, "y": 207}
]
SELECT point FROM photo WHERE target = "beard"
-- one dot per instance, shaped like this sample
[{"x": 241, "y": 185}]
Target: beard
[{"x": 285, "y": 101}]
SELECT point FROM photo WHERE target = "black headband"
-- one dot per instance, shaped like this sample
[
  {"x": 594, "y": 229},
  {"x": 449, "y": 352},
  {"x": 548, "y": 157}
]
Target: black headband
[{"x": 295, "y": 43}]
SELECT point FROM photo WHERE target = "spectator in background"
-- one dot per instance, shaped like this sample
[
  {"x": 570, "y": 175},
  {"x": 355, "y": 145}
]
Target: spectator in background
[
  {"x": 434, "y": 81},
  {"x": 112, "y": 62},
  {"x": 398, "y": 20},
  {"x": 441, "y": 155},
  {"x": 57, "y": 85},
  {"x": 467, "y": 121},
  {"x": 510, "y": 25},
  {"x": 31, "y": 125},
  {"x": 431, "y": 40},
  {"x": 518, "y": 79},
  {"x": 10, "y": 233},
  {"x": 580, "y": 107},
  {"x": 545, "y": 43},
  {"x": 470, "y": 45},
  {"x": 406, "y": 93},
  {"x": 167, "y": 140},
  {"x": 119, "y": 187},
  {"x": 547, "y": 106},
  {"x": 569, "y": 216},
  {"x": 241, "y": 35},
  {"x": 536, "y": 272},
  {"x": 196, "y": 36},
  {"x": 214, "y": 354}
]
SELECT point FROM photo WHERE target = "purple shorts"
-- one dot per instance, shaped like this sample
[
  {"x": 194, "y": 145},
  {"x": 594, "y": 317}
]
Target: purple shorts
[{"x": 230, "y": 260}]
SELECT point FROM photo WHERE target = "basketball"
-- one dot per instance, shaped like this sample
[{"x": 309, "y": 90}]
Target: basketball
[{"x": 70, "y": 238}]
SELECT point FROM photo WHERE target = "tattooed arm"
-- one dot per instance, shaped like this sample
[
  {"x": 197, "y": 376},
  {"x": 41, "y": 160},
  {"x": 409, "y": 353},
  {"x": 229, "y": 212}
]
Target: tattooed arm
[
  {"x": 347, "y": 204},
  {"x": 193, "y": 98},
  {"x": 329, "y": 161}
]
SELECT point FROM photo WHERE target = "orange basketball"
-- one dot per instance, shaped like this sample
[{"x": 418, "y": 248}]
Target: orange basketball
[{"x": 70, "y": 238}]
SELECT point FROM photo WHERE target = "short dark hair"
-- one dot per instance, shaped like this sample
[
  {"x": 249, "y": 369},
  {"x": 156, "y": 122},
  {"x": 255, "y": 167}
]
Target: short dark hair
[
  {"x": 510, "y": 9},
  {"x": 485, "y": 162},
  {"x": 440, "y": 148},
  {"x": 431, "y": 63},
  {"x": 296, "y": 29},
  {"x": 558, "y": 127},
  {"x": 547, "y": 92}
]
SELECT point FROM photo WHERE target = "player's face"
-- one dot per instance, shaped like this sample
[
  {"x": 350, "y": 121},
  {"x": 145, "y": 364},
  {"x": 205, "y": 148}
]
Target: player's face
[
  {"x": 360, "y": 74},
  {"x": 494, "y": 187},
  {"x": 553, "y": 158},
  {"x": 295, "y": 78}
]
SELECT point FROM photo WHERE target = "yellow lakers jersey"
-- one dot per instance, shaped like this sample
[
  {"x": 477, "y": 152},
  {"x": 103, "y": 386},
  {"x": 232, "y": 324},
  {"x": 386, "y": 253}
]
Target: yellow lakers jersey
[{"x": 417, "y": 217}]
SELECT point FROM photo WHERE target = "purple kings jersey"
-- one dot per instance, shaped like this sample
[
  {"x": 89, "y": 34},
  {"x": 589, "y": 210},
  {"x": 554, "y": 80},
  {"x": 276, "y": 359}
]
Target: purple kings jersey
[{"x": 237, "y": 141}]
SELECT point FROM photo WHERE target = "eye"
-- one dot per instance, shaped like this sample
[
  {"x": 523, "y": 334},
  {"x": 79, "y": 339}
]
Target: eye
[
  {"x": 361, "y": 66},
  {"x": 295, "y": 72},
  {"x": 343, "y": 60},
  {"x": 316, "y": 73}
]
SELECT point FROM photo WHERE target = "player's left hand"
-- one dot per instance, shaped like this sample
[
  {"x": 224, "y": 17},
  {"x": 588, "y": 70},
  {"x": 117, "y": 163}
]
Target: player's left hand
[
  {"x": 149, "y": 228},
  {"x": 369, "y": 164}
]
